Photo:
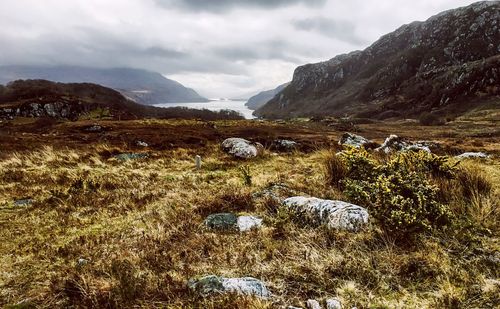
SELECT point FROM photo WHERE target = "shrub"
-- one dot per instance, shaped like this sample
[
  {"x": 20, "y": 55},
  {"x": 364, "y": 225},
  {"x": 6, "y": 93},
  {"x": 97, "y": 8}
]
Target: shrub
[{"x": 399, "y": 193}]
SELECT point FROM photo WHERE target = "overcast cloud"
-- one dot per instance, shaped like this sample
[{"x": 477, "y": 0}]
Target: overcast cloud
[{"x": 218, "y": 47}]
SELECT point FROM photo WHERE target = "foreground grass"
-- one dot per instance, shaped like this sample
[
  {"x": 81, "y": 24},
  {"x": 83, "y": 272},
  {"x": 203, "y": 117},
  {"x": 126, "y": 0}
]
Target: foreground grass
[{"x": 107, "y": 233}]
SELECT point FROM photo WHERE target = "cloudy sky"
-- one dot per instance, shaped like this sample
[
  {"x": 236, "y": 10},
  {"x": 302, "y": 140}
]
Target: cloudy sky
[{"x": 219, "y": 47}]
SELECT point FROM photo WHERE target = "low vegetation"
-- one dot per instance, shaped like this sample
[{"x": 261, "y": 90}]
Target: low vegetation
[{"x": 103, "y": 232}]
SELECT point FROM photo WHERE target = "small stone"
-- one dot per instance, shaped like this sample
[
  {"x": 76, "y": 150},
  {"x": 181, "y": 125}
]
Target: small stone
[
  {"x": 197, "y": 162},
  {"x": 333, "y": 303},
  {"x": 246, "y": 223},
  {"x": 285, "y": 145},
  {"x": 81, "y": 262},
  {"x": 469, "y": 155},
  {"x": 23, "y": 202},
  {"x": 312, "y": 304},
  {"x": 142, "y": 144},
  {"x": 131, "y": 156}
]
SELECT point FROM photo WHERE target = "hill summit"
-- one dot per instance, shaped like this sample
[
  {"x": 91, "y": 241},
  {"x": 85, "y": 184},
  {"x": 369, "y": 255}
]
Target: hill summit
[{"x": 447, "y": 65}]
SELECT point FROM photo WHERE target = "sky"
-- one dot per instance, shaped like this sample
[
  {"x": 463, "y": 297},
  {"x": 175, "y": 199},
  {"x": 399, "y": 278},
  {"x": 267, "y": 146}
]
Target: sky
[{"x": 221, "y": 48}]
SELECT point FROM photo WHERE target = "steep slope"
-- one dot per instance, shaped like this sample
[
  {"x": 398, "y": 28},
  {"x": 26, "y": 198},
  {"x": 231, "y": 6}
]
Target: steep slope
[
  {"x": 41, "y": 98},
  {"x": 260, "y": 99},
  {"x": 141, "y": 86},
  {"x": 448, "y": 64}
]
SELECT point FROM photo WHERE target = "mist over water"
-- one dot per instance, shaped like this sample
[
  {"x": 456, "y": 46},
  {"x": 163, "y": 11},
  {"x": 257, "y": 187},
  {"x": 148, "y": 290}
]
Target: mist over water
[{"x": 216, "y": 105}]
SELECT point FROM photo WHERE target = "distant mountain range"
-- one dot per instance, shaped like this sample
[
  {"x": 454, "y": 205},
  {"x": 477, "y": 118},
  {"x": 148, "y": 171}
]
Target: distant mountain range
[
  {"x": 260, "y": 99},
  {"x": 142, "y": 86},
  {"x": 446, "y": 65}
]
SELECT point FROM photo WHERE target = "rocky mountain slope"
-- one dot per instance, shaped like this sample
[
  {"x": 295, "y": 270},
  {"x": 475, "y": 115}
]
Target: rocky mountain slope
[
  {"x": 260, "y": 99},
  {"x": 446, "y": 65},
  {"x": 142, "y": 86},
  {"x": 41, "y": 98}
]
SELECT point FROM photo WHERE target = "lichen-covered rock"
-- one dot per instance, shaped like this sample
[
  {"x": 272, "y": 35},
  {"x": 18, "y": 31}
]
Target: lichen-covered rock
[
  {"x": 247, "y": 223},
  {"x": 222, "y": 221},
  {"x": 334, "y": 214},
  {"x": 353, "y": 140},
  {"x": 284, "y": 145},
  {"x": 468, "y": 155},
  {"x": 241, "y": 286}
]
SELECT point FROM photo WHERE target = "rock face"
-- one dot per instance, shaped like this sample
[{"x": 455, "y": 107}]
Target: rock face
[
  {"x": 446, "y": 65},
  {"x": 241, "y": 148},
  {"x": 241, "y": 286},
  {"x": 353, "y": 140},
  {"x": 334, "y": 214},
  {"x": 141, "y": 86},
  {"x": 263, "y": 97}
]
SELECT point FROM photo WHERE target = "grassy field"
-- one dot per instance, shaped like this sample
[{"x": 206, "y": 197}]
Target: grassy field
[{"x": 102, "y": 232}]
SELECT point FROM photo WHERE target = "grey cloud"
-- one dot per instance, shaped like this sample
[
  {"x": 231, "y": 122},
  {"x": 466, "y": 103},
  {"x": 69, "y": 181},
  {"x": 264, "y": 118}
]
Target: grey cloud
[
  {"x": 341, "y": 30},
  {"x": 219, "y": 6}
]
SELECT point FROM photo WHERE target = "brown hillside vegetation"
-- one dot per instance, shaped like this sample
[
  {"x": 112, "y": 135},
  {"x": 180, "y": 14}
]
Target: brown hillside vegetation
[{"x": 101, "y": 232}]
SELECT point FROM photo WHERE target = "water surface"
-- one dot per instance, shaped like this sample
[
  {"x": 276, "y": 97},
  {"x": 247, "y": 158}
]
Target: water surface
[{"x": 216, "y": 105}]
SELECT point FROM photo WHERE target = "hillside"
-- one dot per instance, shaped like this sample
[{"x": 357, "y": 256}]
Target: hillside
[
  {"x": 41, "y": 98},
  {"x": 142, "y": 86},
  {"x": 448, "y": 65},
  {"x": 260, "y": 99}
]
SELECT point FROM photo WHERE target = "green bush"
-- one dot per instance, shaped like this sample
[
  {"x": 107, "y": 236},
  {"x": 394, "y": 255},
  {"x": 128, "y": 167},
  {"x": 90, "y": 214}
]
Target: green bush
[{"x": 399, "y": 192}]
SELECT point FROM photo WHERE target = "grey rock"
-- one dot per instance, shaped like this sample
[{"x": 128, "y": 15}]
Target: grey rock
[
  {"x": 333, "y": 303},
  {"x": 241, "y": 148},
  {"x": 131, "y": 156},
  {"x": 396, "y": 143},
  {"x": 468, "y": 155},
  {"x": 222, "y": 221},
  {"x": 247, "y": 223},
  {"x": 241, "y": 286},
  {"x": 284, "y": 145},
  {"x": 353, "y": 140},
  {"x": 312, "y": 304},
  {"x": 141, "y": 144},
  {"x": 277, "y": 192},
  {"x": 94, "y": 128},
  {"x": 334, "y": 214},
  {"x": 23, "y": 202}
]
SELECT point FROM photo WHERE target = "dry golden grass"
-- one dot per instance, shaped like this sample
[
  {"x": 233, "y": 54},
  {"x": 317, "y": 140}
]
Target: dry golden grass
[{"x": 138, "y": 224}]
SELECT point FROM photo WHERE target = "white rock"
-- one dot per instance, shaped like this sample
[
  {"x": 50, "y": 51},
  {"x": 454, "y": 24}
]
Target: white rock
[
  {"x": 334, "y": 214},
  {"x": 246, "y": 223},
  {"x": 312, "y": 304},
  {"x": 142, "y": 144},
  {"x": 333, "y": 303},
  {"x": 241, "y": 148},
  {"x": 245, "y": 286},
  {"x": 468, "y": 155}
]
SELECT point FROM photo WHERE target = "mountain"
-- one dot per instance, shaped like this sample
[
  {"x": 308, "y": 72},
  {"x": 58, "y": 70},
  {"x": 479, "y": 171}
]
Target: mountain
[
  {"x": 446, "y": 65},
  {"x": 46, "y": 99},
  {"x": 142, "y": 86},
  {"x": 263, "y": 97}
]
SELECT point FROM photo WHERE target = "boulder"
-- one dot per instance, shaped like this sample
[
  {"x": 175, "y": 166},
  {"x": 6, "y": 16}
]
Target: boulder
[
  {"x": 334, "y": 214},
  {"x": 229, "y": 221},
  {"x": 241, "y": 286},
  {"x": 396, "y": 143},
  {"x": 353, "y": 140},
  {"x": 241, "y": 148},
  {"x": 468, "y": 155},
  {"x": 284, "y": 145}
]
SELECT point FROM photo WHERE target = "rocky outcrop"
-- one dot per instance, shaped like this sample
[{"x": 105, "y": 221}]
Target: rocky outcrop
[
  {"x": 446, "y": 65},
  {"x": 219, "y": 285},
  {"x": 241, "y": 148},
  {"x": 334, "y": 214},
  {"x": 396, "y": 143}
]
